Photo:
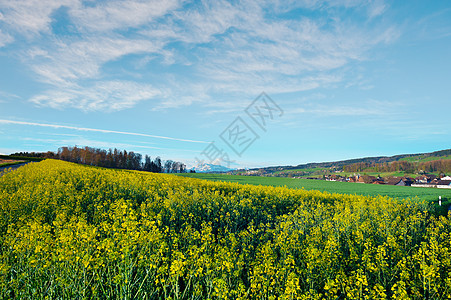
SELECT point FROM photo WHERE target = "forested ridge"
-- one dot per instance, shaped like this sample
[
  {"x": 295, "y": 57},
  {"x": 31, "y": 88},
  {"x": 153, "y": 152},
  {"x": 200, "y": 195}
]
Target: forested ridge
[{"x": 111, "y": 158}]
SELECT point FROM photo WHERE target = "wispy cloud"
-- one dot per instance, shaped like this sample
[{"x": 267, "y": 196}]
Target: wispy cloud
[
  {"x": 67, "y": 63},
  {"x": 285, "y": 55},
  {"x": 5, "y": 39},
  {"x": 215, "y": 47},
  {"x": 56, "y": 126},
  {"x": 376, "y": 8},
  {"x": 368, "y": 108},
  {"x": 324, "y": 110},
  {"x": 30, "y": 17},
  {"x": 111, "y": 15},
  {"x": 433, "y": 26},
  {"x": 103, "y": 96},
  {"x": 6, "y": 97}
]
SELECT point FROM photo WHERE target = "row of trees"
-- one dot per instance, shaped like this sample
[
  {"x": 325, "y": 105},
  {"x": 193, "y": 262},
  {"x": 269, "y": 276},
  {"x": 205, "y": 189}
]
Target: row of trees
[
  {"x": 32, "y": 154},
  {"x": 442, "y": 165},
  {"x": 113, "y": 158}
]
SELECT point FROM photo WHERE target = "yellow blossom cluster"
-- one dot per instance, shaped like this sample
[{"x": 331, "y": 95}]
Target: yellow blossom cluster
[{"x": 75, "y": 232}]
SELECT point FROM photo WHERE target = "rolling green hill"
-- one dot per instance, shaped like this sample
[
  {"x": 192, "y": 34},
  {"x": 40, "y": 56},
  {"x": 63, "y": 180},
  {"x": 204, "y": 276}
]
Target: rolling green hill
[{"x": 398, "y": 165}]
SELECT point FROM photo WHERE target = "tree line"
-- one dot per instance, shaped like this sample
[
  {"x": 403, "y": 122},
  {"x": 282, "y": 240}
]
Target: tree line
[
  {"x": 111, "y": 158},
  {"x": 441, "y": 165}
]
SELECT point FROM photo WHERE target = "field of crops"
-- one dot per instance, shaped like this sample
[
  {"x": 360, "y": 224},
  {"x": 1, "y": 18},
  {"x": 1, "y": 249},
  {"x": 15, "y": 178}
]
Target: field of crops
[
  {"x": 427, "y": 194},
  {"x": 69, "y": 231},
  {"x": 9, "y": 162}
]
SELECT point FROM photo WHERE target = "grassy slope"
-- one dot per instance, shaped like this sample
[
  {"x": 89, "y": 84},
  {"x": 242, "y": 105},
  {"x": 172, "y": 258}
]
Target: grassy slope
[
  {"x": 319, "y": 171},
  {"x": 421, "y": 158},
  {"x": 14, "y": 157},
  {"x": 430, "y": 194},
  {"x": 4, "y": 164}
]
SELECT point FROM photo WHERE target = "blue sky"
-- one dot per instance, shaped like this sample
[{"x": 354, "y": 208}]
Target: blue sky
[{"x": 167, "y": 78}]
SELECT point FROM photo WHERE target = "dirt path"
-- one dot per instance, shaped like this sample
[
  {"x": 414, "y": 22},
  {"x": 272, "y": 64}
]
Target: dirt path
[{"x": 12, "y": 167}]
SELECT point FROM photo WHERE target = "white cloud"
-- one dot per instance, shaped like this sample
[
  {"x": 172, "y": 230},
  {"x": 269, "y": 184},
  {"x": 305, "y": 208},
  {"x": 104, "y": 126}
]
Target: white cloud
[
  {"x": 288, "y": 5},
  {"x": 376, "y": 8},
  {"x": 31, "y": 17},
  {"x": 317, "y": 107},
  {"x": 62, "y": 61},
  {"x": 262, "y": 52},
  {"x": 345, "y": 111},
  {"x": 230, "y": 48},
  {"x": 103, "y": 96},
  {"x": 209, "y": 19},
  {"x": 6, "y": 97},
  {"x": 67, "y": 63},
  {"x": 110, "y": 15},
  {"x": 5, "y": 39}
]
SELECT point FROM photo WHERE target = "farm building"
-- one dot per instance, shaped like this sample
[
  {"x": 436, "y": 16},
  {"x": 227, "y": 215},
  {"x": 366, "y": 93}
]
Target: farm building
[
  {"x": 427, "y": 178},
  {"x": 378, "y": 181},
  {"x": 444, "y": 184},
  {"x": 403, "y": 181}
]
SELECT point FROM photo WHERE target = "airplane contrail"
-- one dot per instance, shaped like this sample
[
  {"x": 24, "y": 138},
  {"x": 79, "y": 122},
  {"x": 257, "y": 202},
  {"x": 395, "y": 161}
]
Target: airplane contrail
[{"x": 2, "y": 121}]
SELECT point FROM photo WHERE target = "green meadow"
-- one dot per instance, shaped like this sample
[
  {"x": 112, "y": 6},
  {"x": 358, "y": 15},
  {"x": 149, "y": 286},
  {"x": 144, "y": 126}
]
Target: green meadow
[{"x": 402, "y": 192}]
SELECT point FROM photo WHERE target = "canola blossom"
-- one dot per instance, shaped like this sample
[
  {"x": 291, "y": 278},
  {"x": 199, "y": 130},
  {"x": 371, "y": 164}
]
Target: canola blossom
[{"x": 76, "y": 232}]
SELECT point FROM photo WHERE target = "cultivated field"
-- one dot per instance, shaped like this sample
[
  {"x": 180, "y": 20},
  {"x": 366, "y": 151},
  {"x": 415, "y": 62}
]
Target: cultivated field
[
  {"x": 72, "y": 232},
  {"x": 428, "y": 194},
  {"x": 9, "y": 162}
]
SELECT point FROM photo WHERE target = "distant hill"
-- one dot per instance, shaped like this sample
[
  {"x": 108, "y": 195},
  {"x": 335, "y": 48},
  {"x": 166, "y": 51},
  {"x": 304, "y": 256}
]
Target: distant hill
[{"x": 369, "y": 160}]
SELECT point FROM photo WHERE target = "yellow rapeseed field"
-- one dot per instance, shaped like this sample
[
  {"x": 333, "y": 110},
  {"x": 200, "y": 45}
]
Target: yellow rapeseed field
[{"x": 74, "y": 232}]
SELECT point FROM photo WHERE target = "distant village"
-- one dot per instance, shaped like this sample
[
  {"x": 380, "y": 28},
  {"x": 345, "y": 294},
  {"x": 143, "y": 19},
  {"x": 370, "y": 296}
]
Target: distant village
[{"x": 425, "y": 180}]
